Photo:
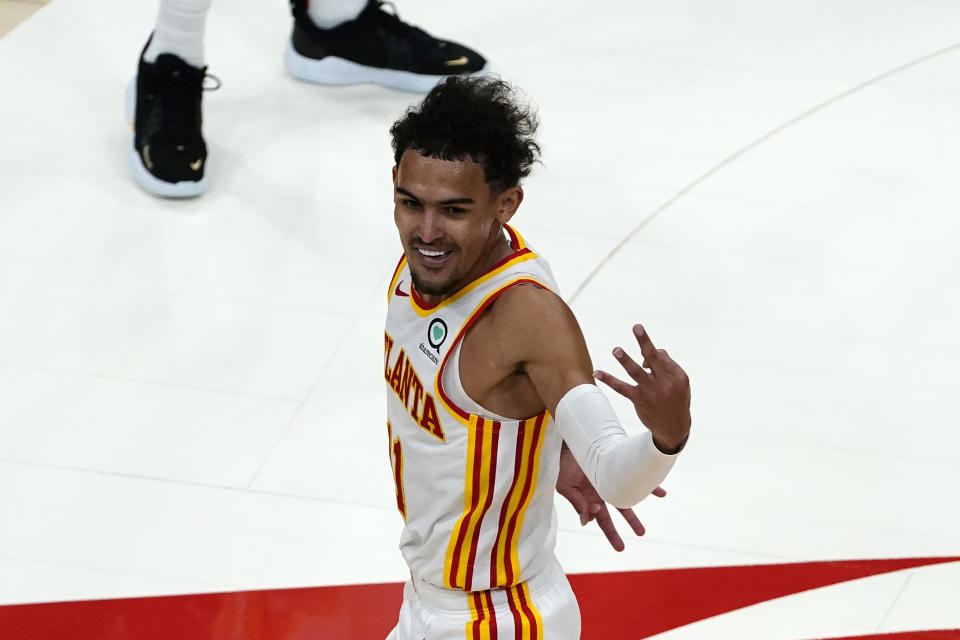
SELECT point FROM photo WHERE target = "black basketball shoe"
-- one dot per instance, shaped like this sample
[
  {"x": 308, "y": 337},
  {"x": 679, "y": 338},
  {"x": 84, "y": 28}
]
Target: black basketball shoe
[
  {"x": 167, "y": 154},
  {"x": 377, "y": 46}
]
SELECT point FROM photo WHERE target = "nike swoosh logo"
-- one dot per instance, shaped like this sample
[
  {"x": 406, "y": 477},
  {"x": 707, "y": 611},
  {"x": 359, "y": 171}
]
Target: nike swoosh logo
[
  {"x": 459, "y": 62},
  {"x": 196, "y": 165},
  {"x": 146, "y": 157},
  {"x": 401, "y": 293}
]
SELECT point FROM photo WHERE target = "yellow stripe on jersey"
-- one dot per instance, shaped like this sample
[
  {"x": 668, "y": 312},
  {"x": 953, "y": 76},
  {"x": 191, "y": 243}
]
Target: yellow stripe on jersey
[
  {"x": 531, "y": 609},
  {"x": 457, "y": 536},
  {"x": 483, "y": 623},
  {"x": 396, "y": 274},
  {"x": 475, "y": 608},
  {"x": 505, "y": 556},
  {"x": 521, "y": 243},
  {"x": 537, "y": 443},
  {"x": 521, "y": 618},
  {"x": 478, "y": 486},
  {"x": 528, "y": 623}
]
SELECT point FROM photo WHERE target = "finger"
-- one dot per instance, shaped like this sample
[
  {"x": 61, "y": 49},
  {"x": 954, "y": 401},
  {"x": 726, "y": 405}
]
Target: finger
[
  {"x": 579, "y": 503},
  {"x": 670, "y": 365},
  {"x": 609, "y": 530},
  {"x": 614, "y": 383},
  {"x": 633, "y": 521},
  {"x": 646, "y": 346},
  {"x": 629, "y": 365},
  {"x": 659, "y": 492}
]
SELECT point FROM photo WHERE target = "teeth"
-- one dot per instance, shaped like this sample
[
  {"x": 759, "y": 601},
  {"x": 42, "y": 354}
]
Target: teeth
[{"x": 431, "y": 254}]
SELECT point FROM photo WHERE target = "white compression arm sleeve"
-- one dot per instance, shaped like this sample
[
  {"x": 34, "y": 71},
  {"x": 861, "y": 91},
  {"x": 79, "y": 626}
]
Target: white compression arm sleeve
[{"x": 623, "y": 469}]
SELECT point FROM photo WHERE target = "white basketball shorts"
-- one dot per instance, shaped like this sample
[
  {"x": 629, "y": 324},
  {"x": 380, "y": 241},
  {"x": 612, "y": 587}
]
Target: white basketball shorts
[{"x": 544, "y": 607}]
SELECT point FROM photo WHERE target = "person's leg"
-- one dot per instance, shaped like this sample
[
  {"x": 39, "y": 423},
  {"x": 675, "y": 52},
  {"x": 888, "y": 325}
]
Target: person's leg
[
  {"x": 557, "y": 609},
  {"x": 179, "y": 30},
  {"x": 374, "y": 46},
  {"x": 410, "y": 625},
  {"x": 167, "y": 156},
  {"x": 328, "y": 14}
]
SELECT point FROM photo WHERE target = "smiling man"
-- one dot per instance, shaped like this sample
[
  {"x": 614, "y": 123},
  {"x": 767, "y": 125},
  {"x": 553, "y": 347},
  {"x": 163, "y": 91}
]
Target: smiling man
[{"x": 491, "y": 393}]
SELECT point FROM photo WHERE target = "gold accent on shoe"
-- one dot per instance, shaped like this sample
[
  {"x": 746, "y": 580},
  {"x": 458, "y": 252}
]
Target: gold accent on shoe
[
  {"x": 196, "y": 165},
  {"x": 146, "y": 157},
  {"x": 459, "y": 62}
]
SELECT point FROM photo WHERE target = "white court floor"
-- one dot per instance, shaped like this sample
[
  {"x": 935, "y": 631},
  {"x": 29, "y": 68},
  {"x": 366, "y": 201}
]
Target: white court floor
[{"x": 190, "y": 397}]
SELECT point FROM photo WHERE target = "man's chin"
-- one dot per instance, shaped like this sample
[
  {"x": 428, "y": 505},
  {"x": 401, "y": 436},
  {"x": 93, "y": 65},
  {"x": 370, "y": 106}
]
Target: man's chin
[{"x": 433, "y": 289}]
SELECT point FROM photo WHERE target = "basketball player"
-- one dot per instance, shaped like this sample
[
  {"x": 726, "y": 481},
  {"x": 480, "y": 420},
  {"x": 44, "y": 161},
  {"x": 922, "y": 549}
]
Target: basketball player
[
  {"x": 333, "y": 42},
  {"x": 488, "y": 379}
]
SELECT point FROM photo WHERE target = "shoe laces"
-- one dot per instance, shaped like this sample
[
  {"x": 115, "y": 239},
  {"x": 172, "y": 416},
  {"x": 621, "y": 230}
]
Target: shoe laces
[
  {"x": 180, "y": 104},
  {"x": 391, "y": 22}
]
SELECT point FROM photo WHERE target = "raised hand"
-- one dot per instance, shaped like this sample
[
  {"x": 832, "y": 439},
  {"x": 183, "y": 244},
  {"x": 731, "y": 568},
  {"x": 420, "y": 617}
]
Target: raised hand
[
  {"x": 574, "y": 485},
  {"x": 661, "y": 395}
]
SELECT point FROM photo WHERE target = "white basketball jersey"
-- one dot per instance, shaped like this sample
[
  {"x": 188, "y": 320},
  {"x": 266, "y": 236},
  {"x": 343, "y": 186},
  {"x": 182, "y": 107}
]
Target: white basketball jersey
[{"x": 476, "y": 493}]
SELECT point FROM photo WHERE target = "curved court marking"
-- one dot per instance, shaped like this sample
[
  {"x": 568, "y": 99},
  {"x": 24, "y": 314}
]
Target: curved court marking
[{"x": 748, "y": 147}]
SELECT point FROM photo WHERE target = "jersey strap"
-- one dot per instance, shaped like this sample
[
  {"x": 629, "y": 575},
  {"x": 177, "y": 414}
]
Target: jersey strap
[{"x": 461, "y": 414}]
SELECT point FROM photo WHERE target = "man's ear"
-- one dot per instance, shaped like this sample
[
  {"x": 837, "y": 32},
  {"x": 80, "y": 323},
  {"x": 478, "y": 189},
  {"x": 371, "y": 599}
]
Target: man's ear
[
  {"x": 394, "y": 172},
  {"x": 507, "y": 203}
]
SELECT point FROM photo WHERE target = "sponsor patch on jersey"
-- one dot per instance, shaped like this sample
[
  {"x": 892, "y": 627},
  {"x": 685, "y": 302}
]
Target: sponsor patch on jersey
[{"x": 436, "y": 333}]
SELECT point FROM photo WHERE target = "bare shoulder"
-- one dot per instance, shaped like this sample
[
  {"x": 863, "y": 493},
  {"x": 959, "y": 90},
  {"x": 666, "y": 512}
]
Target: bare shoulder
[
  {"x": 529, "y": 299},
  {"x": 532, "y": 321},
  {"x": 526, "y": 351}
]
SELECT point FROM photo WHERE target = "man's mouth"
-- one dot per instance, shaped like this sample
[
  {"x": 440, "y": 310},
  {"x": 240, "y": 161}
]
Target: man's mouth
[{"x": 432, "y": 257}]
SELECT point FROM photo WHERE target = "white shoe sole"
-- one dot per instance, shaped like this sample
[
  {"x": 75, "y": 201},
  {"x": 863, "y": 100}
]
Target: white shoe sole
[
  {"x": 147, "y": 181},
  {"x": 337, "y": 71}
]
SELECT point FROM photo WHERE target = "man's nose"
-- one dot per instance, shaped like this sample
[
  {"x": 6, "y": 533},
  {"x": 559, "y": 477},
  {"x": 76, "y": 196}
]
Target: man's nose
[{"x": 429, "y": 228}]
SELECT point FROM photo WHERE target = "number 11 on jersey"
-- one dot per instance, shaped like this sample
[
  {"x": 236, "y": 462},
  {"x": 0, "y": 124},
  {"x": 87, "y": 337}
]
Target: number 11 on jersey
[{"x": 396, "y": 461}]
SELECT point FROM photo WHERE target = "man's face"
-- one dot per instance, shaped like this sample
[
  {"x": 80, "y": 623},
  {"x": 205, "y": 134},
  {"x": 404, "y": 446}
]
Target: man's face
[{"x": 448, "y": 219}]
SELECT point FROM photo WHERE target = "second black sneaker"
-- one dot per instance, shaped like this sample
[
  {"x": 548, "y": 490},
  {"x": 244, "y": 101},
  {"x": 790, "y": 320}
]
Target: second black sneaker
[
  {"x": 167, "y": 153},
  {"x": 377, "y": 46}
]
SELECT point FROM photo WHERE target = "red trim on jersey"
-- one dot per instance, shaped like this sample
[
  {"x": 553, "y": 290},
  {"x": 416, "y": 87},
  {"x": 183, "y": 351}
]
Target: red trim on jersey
[
  {"x": 475, "y": 492},
  {"x": 470, "y": 322},
  {"x": 534, "y": 630},
  {"x": 396, "y": 272},
  {"x": 426, "y": 306},
  {"x": 491, "y": 485}
]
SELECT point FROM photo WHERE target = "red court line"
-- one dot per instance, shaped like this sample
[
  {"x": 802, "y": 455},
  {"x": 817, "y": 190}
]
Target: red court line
[
  {"x": 944, "y": 634},
  {"x": 356, "y": 611},
  {"x": 650, "y": 602},
  {"x": 632, "y": 605}
]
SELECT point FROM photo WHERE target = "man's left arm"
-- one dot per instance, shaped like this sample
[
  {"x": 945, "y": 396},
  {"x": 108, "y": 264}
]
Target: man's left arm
[{"x": 624, "y": 469}]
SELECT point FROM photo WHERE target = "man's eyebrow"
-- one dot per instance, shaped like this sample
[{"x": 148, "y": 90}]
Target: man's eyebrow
[
  {"x": 407, "y": 193},
  {"x": 442, "y": 202}
]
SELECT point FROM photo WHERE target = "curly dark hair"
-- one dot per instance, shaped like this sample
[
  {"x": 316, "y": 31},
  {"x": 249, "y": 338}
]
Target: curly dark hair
[{"x": 477, "y": 117}]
